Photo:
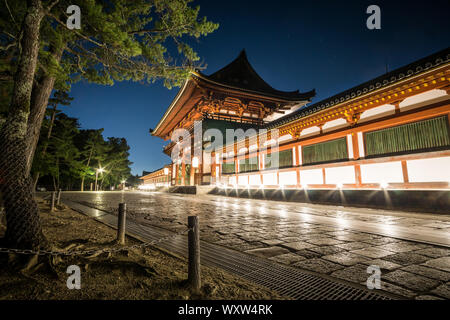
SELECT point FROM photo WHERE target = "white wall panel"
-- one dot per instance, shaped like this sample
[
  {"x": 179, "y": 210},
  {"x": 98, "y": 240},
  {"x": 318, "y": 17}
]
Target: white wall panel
[
  {"x": 288, "y": 178},
  {"x": 255, "y": 180},
  {"x": 340, "y": 175},
  {"x": 382, "y": 172},
  {"x": 270, "y": 179},
  {"x": 429, "y": 170},
  {"x": 313, "y": 176}
]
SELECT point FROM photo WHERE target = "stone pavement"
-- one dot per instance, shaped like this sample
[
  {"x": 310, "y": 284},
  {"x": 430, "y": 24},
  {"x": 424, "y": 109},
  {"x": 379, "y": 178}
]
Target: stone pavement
[{"x": 285, "y": 233}]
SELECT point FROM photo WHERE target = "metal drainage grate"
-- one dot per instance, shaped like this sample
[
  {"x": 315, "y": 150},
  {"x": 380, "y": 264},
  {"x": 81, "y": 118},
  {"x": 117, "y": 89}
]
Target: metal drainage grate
[{"x": 288, "y": 281}]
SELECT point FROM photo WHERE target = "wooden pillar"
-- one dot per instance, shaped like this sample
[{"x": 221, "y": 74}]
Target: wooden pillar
[
  {"x": 358, "y": 175},
  {"x": 405, "y": 171},
  {"x": 192, "y": 177},
  {"x": 177, "y": 170},
  {"x": 261, "y": 166},
  {"x": 355, "y": 145},
  {"x": 397, "y": 107},
  {"x": 324, "y": 177},
  {"x": 213, "y": 167},
  {"x": 183, "y": 173}
]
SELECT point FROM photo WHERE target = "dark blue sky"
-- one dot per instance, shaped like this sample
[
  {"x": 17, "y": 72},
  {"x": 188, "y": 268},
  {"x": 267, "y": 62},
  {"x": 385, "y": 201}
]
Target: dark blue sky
[{"x": 292, "y": 44}]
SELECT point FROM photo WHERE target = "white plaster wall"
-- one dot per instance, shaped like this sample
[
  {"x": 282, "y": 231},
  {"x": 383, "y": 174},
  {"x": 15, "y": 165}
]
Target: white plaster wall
[
  {"x": 361, "y": 144},
  {"x": 255, "y": 180},
  {"x": 313, "y": 176},
  {"x": 288, "y": 178},
  {"x": 270, "y": 179},
  {"x": 334, "y": 124},
  {"x": 350, "y": 146},
  {"x": 382, "y": 172},
  {"x": 340, "y": 175},
  {"x": 253, "y": 147},
  {"x": 270, "y": 142},
  {"x": 310, "y": 131},
  {"x": 284, "y": 138},
  {"x": 206, "y": 162},
  {"x": 423, "y": 99},
  {"x": 429, "y": 170},
  {"x": 300, "y": 158},
  {"x": 242, "y": 150},
  {"x": 381, "y": 111},
  {"x": 242, "y": 180}
]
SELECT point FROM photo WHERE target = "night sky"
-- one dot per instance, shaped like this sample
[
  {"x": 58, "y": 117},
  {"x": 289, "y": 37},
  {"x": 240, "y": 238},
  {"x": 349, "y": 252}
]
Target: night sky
[{"x": 292, "y": 45}]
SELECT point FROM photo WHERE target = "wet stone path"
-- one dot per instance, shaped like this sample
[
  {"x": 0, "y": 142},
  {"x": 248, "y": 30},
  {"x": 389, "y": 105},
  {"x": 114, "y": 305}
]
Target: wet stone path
[{"x": 285, "y": 233}]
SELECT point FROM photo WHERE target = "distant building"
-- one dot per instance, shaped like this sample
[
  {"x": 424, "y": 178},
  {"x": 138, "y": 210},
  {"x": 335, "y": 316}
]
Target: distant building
[
  {"x": 390, "y": 132},
  {"x": 157, "y": 178}
]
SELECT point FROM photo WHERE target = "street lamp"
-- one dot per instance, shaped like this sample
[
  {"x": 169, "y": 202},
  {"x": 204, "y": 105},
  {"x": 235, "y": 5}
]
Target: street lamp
[{"x": 96, "y": 177}]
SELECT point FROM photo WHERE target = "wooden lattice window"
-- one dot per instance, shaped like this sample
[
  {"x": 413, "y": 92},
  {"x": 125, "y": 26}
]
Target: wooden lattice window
[
  {"x": 284, "y": 160},
  {"x": 412, "y": 137},
  {"x": 327, "y": 151},
  {"x": 249, "y": 164},
  {"x": 228, "y": 167}
]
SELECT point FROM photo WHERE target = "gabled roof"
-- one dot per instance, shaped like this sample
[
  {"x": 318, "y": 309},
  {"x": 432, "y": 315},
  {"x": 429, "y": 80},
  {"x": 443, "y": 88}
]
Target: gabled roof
[
  {"x": 240, "y": 74},
  {"x": 382, "y": 81}
]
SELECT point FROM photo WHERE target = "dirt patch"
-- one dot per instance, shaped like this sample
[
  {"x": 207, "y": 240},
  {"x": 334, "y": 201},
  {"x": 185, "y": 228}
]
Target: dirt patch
[{"x": 134, "y": 274}]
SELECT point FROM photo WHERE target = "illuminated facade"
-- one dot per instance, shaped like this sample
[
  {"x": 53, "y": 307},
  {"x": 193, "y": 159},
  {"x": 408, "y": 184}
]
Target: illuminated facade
[
  {"x": 390, "y": 132},
  {"x": 157, "y": 178}
]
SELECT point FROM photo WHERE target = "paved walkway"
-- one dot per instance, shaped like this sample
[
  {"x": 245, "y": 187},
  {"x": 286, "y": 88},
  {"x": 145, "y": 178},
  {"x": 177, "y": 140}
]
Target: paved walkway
[{"x": 340, "y": 242}]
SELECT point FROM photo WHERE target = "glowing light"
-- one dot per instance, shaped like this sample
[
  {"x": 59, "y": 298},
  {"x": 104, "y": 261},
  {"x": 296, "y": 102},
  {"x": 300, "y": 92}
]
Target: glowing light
[
  {"x": 339, "y": 185},
  {"x": 383, "y": 185},
  {"x": 101, "y": 170},
  {"x": 166, "y": 171},
  {"x": 195, "y": 162},
  {"x": 146, "y": 187}
]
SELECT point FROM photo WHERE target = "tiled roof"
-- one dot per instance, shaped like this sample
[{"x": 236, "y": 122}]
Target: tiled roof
[
  {"x": 240, "y": 74},
  {"x": 385, "y": 80}
]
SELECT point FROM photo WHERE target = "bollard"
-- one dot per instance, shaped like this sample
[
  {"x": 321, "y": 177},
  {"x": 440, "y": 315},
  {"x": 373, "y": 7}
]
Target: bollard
[
  {"x": 194, "y": 275},
  {"x": 58, "y": 198},
  {"x": 52, "y": 203},
  {"x": 121, "y": 223}
]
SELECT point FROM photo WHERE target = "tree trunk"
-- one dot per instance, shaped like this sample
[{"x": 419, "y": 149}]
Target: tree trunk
[
  {"x": 39, "y": 101},
  {"x": 44, "y": 149},
  {"x": 89, "y": 160},
  {"x": 22, "y": 215}
]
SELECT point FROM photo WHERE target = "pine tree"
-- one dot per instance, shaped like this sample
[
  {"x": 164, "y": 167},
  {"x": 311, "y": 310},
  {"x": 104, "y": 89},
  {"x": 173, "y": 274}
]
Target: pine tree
[{"x": 119, "y": 40}]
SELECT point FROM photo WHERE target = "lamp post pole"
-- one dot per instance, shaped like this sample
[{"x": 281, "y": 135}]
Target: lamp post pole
[{"x": 96, "y": 178}]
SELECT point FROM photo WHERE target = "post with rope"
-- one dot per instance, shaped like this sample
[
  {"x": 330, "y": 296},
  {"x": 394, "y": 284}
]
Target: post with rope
[
  {"x": 194, "y": 274},
  {"x": 121, "y": 223},
  {"x": 52, "y": 202},
  {"x": 58, "y": 198}
]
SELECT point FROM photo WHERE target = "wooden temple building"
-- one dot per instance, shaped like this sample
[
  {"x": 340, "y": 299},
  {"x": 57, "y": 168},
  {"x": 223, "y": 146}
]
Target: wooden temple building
[{"x": 390, "y": 132}]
